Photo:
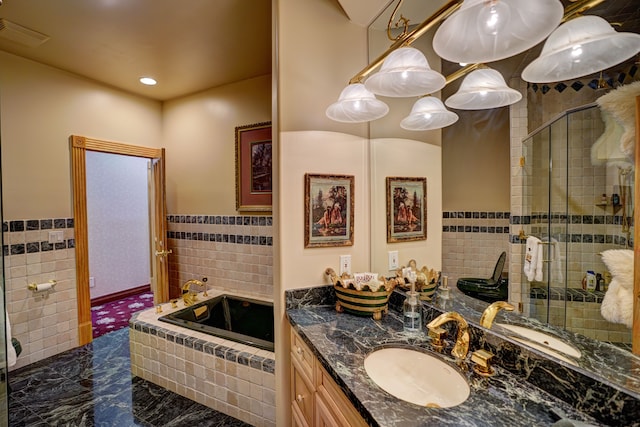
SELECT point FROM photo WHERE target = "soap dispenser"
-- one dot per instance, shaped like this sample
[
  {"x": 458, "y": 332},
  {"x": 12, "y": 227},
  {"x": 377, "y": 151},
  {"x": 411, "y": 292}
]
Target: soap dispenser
[{"x": 412, "y": 310}]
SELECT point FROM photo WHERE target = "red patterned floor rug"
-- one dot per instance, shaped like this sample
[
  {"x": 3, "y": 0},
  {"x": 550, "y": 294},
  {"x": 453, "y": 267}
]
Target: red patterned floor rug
[{"x": 115, "y": 315}]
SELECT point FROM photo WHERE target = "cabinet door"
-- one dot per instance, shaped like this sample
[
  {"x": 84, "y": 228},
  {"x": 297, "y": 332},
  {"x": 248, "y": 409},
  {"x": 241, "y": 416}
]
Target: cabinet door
[
  {"x": 297, "y": 419},
  {"x": 324, "y": 417}
]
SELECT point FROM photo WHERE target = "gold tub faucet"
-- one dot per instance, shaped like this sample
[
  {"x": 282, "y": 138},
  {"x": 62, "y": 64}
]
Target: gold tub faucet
[
  {"x": 492, "y": 310},
  {"x": 188, "y": 296},
  {"x": 461, "y": 348}
]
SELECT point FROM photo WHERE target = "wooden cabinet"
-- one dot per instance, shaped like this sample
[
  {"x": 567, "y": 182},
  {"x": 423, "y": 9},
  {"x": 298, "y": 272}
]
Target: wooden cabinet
[{"x": 316, "y": 400}]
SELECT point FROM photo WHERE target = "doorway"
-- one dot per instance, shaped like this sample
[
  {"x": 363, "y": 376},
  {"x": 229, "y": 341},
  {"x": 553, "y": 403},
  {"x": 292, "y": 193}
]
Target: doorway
[{"x": 157, "y": 219}]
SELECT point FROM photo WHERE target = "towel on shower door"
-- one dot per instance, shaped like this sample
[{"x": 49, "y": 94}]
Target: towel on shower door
[
  {"x": 12, "y": 357},
  {"x": 533, "y": 259}
]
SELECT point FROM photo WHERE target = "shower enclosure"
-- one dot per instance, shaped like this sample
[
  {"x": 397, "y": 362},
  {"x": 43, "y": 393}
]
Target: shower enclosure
[{"x": 577, "y": 201}]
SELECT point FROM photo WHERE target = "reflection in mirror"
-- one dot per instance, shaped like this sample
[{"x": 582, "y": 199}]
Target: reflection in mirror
[{"x": 481, "y": 218}]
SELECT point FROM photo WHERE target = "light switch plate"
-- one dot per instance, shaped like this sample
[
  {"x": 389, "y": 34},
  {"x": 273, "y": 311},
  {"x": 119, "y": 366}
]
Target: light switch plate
[
  {"x": 345, "y": 264},
  {"x": 56, "y": 236},
  {"x": 393, "y": 260}
]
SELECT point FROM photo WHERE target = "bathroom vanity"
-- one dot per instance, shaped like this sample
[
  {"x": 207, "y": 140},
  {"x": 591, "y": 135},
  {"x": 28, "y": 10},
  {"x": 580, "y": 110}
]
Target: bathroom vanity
[{"x": 521, "y": 393}]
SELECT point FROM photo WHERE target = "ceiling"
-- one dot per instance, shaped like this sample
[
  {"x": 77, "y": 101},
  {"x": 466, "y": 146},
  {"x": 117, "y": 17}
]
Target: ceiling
[
  {"x": 192, "y": 45},
  {"x": 187, "y": 46}
]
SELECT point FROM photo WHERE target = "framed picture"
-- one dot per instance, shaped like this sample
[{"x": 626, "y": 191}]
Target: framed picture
[
  {"x": 253, "y": 167},
  {"x": 328, "y": 210},
  {"x": 406, "y": 209}
]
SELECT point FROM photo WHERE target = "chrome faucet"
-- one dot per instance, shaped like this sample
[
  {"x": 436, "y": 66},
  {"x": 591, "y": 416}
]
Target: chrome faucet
[
  {"x": 188, "y": 296},
  {"x": 489, "y": 313},
  {"x": 461, "y": 348}
]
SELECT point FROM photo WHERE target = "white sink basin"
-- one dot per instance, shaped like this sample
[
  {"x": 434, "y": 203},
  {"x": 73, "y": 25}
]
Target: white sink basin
[
  {"x": 544, "y": 342},
  {"x": 416, "y": 377}
]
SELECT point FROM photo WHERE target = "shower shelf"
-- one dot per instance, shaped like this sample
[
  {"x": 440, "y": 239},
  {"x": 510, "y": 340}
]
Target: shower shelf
[{"x": 615, "y": 207}]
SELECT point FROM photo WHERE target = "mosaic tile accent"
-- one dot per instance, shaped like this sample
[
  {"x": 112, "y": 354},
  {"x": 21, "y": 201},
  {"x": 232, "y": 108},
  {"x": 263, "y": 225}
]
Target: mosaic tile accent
[
  {"x": 240, "y": 239},
  {"x": 475, "y": 222}
]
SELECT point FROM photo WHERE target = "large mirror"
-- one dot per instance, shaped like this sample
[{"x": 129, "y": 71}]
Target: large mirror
[{"x": 492, "y": 159}]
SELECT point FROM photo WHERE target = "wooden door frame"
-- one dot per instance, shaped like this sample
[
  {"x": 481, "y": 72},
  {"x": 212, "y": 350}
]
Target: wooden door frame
[{"x": 79, "y": 147}]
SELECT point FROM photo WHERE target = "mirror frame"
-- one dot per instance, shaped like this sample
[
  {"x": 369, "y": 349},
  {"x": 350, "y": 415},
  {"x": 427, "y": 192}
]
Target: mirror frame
[{"x": 635, "y": 338}]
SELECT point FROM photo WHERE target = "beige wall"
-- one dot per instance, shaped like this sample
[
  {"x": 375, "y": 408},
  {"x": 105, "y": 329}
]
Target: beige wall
[
  {"x": 199, "y": 136},
  {"x": 405, "y": 158},
  {"x": 41, "y": 107}
]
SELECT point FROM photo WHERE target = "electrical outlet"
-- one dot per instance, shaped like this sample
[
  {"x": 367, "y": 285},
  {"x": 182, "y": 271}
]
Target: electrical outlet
[
  {"x": 393, "y": 260},
  {"x": 345, "y": 264},
  {"x": 56, "y": 236}
]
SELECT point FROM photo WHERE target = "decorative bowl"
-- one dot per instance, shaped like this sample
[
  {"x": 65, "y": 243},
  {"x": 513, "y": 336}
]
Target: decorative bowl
[{"x": 371, "y": 299}]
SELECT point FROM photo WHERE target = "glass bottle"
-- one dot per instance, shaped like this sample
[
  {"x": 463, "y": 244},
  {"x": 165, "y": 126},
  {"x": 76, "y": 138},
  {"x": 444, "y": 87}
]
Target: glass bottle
[{"x": 412, "y": 312}]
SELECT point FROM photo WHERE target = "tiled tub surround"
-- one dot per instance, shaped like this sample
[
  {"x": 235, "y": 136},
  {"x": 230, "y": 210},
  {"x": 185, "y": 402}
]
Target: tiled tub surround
[
  {"x": 44, "y": 324},
  {"x": 230, "y": 377},
  {"x": 235, "y": 252},
  {"x": 472, "y": 241},
  {"x": 527, "y": 387}
]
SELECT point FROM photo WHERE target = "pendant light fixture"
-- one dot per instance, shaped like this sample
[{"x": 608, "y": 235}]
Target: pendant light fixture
[
  {"x": 481, "y": 89},
  {"x": 490, "y": 30},
  {"x": 579, "y": 47},
  {"x": 405, "y": 72},
  {"x": 428, "y": 113},
  {"x": 356, "y": 105}
]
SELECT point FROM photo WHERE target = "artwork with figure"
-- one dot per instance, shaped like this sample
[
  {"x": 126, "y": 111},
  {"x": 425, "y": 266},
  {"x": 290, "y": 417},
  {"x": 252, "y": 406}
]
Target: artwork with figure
[
  {"x": 328, "y": 210},
  {"x": 406, "y": 209},
  {"x": 261, "y": 166}
]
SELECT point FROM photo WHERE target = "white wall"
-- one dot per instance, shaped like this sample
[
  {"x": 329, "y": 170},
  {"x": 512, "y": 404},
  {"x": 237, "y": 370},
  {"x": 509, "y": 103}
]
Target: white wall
[{"x": 118, "y": 220}]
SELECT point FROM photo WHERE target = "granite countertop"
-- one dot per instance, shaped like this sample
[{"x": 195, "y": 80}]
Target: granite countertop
[{"x": 341, "y": 341}]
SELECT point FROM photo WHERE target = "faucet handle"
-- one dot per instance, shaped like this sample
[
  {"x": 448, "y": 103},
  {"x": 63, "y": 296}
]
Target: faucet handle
[
  {"x": 482, "y": 359},
  {"x": 437, "y": 335}
]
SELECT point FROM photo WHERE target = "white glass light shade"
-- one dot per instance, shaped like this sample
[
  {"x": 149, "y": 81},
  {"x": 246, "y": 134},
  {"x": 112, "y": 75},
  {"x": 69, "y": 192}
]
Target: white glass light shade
[
  {"x": 490, "y": 30},
  {"x": 428, "y": 113},
  {"x": 404, "y": 73},
  {"x": 579, "y": 47},
  {"x": 355, "y": 105},
  {"x": 482, "y": 89}
]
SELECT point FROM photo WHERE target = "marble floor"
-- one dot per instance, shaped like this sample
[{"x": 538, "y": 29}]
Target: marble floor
[{"x": 92, "y": 385}]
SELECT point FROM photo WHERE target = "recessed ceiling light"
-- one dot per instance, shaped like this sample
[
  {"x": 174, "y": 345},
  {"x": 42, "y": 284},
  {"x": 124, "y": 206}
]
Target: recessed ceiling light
[{"x": 147, "y": 81}]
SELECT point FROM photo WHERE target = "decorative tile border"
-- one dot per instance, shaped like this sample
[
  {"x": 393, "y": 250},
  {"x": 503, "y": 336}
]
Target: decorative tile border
[
  {"x": 265, "y": 221},
  {"x": 224, "y": 220},
  {"x": 21, "y": 226},
  {"x": 612, "y": 79},
  {"x": 475, "y": 222}
]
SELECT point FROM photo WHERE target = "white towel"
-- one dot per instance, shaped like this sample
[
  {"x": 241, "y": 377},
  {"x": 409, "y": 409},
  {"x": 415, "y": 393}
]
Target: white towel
[
  {"x": 12, "y": 358},
  {"x": 539, "y": 264},
  {"x": 531, "y": 256}
]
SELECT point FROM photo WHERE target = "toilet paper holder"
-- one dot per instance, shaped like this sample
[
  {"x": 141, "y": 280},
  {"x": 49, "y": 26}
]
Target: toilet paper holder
[{"x": 42, "y": 287}]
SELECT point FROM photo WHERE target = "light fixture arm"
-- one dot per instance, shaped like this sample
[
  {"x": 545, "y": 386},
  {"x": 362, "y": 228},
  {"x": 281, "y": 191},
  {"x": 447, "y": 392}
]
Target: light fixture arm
[
  {"x": 409, "y": 38},
  {"x": 402, "y": 19},
  {"x": 578, "y": 7}
]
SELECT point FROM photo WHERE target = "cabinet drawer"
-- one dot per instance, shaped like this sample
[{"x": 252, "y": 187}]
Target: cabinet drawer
[
  {"x": 302, "y": 354},
  {"x": 302, "y": 395}
]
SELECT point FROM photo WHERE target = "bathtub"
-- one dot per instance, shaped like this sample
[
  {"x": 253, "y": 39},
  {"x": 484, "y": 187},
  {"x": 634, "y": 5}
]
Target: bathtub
[
  {"x": 232, "y": 377},
  {"x": 234, "y": 318}
]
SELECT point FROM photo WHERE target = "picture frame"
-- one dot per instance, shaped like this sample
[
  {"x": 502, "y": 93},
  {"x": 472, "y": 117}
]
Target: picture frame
[
  {"x": 254, "y": 177},
  {"x": 406, "y": 209},
  {"x": 328, "y": 210}
]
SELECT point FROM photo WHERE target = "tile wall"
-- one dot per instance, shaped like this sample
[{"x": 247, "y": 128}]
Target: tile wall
[
  {"x": 472, "y": 243},
  {"x": 234, "y": 253},
  {"x": 590, "y": 228},
  {"x": 44, "y": 323}
]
